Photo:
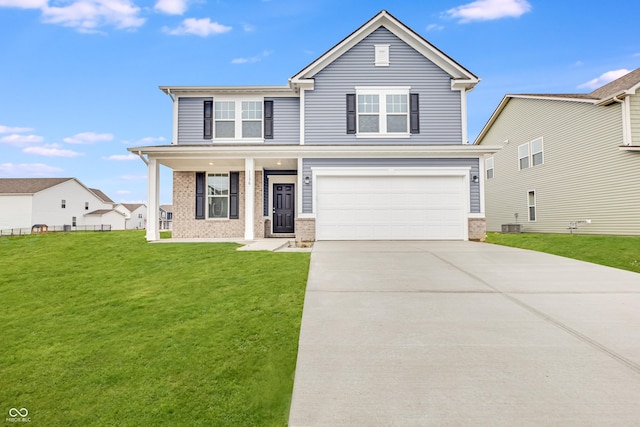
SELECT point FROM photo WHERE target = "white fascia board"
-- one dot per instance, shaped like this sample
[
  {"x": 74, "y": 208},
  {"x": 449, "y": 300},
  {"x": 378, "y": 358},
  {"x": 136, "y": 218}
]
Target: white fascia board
[
  {"x": 209, "y": 91},
  {"x": 232, "y": 151}
]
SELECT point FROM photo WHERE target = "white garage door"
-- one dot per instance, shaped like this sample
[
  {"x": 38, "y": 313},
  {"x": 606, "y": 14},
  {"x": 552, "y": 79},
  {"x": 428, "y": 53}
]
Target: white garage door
[{"x": 390, "y": 208}]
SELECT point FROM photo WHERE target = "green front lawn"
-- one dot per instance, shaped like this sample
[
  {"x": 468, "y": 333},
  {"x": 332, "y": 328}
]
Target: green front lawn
[
  {"x": 106, "y": 329},
  {"x": 615, "y": 251}
]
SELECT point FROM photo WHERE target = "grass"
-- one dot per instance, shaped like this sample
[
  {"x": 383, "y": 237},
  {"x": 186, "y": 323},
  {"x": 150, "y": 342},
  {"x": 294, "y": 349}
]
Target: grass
[
  {"x": 614, "y": 251},
  {"x": 106, "y": 329}
]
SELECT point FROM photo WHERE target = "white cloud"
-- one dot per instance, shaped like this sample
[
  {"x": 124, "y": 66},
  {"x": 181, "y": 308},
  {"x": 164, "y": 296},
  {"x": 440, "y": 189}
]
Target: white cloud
[
  {"x": 14, "y": 129},
  {"x": 88, "y": 15},
  {"x": 27, "y": 169},
  {"x": 123, "y": 192},
  {"x": 21, "y": 140},
  {"x": 121, "y": 157},
  {"x": 133, "y": 177},
  {"x": 145, "y": 141},
  {"x": 24, "y": 4},
  {"x": 435, "y": 27},
  {"x": 487, "y": 10},
  {"x": 51, "y": 151},
  {"x": 198, "y": 27},
  {"x": 171, "y": 7},
  {"x": 252, "y": 59},
  {"x": 88, "y": 138},
  {"x": 605, "y": 78}
]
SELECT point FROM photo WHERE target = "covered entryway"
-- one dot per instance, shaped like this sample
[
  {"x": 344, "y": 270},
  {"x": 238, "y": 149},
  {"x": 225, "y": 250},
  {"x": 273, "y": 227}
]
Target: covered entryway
[
  {"x": 392, "y": 207},
  {"x": 283, "y": 208}
]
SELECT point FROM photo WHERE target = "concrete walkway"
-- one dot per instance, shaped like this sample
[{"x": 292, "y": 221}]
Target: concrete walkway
[{"x": 463, "y": 333}]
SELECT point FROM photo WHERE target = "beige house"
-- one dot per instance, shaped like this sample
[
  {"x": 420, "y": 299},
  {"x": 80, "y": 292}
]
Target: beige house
[{"x": 568, "y": 163}]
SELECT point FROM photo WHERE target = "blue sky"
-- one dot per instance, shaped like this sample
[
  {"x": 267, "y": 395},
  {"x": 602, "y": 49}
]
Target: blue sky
[{"x": 80, "y": 77}]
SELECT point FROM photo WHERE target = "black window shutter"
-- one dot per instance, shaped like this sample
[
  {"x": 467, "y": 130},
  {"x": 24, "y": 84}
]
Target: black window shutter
[
  {"x": 268, "y": 119},
  {"x": 200, "y": 194},
  {"x": 208, "y": 119},
  {"x": 414, "y": 110},
  {"x": 234, "y": 192},
  {"x": 351, "y": 113}
]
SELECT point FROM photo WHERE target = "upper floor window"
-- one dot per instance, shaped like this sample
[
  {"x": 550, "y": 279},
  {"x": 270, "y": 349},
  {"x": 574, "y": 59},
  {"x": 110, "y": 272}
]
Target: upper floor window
[
  {"x": 488, "y": 163},
  {"x": 531, "y": 154},
  {"x": 86, "y": 206},
  {"x": 63, "y": 204},
  {"x": 233, "y": 119},
  {"x": 537, "y": 157},
  {"x": 523, "y": 156},
  {"x": 390, "y": 112}
]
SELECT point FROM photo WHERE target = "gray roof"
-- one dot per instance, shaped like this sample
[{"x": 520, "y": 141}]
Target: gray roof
[
  {"x": 101, "y": 195},
  {"x": 132, "y": 206},
  {"x": 617, "y": 86},
  {"x": 28, "y": 185},
  {"x": 100, "y": 212},
  {"x": 167, "y": 208}
]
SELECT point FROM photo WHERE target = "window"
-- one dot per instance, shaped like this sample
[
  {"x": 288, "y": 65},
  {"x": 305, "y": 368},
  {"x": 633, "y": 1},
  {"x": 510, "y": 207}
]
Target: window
[
  {"x": 86, "y": 206},
  {"x": 218, "y": 195},
  {"x": 537, "y": 157},
  {"x": 234, "y": 119},
  {"x": 63, "y": 204},
  {"x": 140, "y": 215},
  {"x": 531, "y": 201},
  {"x": 488, "y": 163},
  {"x": 523, "y": 156},
  {"x": 383, "y": 111},
  {"x": 73, "y": 221}
]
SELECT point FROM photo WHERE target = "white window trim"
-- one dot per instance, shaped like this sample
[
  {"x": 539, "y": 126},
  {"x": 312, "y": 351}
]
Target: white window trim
[
  {"x": 487, "y": 168},
  {"x": 208, "y": 218},
  {"x": 382, "y": 93},
  {"x": 238, "y": 118},
  {"x": 532, "y": 153},
  {"x": 528, "y": 156},
  {"x": 534, "y": 205}
]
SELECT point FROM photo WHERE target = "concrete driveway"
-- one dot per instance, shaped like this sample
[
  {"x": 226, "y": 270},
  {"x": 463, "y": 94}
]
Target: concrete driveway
[{"x": 464, "y": 333}]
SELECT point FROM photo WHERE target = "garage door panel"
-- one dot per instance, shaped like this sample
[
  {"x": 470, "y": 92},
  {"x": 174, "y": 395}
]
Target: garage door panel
[{"x": 390, "y": 207}]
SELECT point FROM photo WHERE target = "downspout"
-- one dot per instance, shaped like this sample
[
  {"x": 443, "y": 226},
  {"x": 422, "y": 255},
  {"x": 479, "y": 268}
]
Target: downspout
[
  {"x": 626, "y": 131},
  {"x": 175, "y": 116},
  {"x": 142, "y": 157}
]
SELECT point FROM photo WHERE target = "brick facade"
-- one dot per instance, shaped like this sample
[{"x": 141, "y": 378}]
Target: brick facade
[
  {"x": 477, "y": 229},
  {"x": 186, "y": 226}
]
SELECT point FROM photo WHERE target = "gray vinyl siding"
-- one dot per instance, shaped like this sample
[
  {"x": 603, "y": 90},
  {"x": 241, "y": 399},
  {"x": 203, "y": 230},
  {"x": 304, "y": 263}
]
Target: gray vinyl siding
[
  {"x": 325, "y": 106},
  {"x": 584, "y": 175},
  {"x": 635, "y": 120},
  {"x": 307, "y": 164},
  {"x": 286, "y": 122},
  {"x": 191, "y": 121}
]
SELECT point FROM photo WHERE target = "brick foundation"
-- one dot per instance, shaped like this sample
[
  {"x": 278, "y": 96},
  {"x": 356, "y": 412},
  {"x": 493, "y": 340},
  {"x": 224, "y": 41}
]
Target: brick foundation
[
  {"x": 305, "y": 229},
  {"x": 477, "y": 229}
]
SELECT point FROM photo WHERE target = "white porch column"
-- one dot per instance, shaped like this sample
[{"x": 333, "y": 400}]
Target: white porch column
[
  {"x": 153, "y": 195},
  {"x": 249, "y": 197}
]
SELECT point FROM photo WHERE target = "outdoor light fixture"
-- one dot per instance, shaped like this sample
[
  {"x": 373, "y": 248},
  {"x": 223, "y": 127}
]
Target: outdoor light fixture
[
  {"x": 475, "y": 179},
  {"x": 307, "y": 180}
]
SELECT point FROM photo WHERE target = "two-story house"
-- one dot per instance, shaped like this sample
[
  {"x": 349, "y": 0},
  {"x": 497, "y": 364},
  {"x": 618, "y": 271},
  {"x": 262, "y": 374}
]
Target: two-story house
[
  {"x": 368, "y": 142},
  {"x": 569, "y": 161}
]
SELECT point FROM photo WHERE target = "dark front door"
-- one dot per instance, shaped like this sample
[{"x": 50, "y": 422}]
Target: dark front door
[{"x": 283, "y": 208}]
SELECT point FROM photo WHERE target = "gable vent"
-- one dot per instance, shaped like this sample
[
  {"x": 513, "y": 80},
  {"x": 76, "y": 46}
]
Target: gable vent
[{"x": 382, "y": 55}]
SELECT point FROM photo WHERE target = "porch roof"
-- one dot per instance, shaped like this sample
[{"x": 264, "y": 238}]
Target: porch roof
[{"x": 187, "y": 157}]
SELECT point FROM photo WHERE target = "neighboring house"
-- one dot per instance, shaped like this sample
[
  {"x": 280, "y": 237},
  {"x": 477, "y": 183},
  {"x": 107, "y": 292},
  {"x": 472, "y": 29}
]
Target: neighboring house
[
  {"x": 135, "y": 215},
  {"x": 568, "y": 160},
  {"x": 166, "y": 216},
  {"x": 25, "y": 202},
  {"x": 369, "y": 141}
]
